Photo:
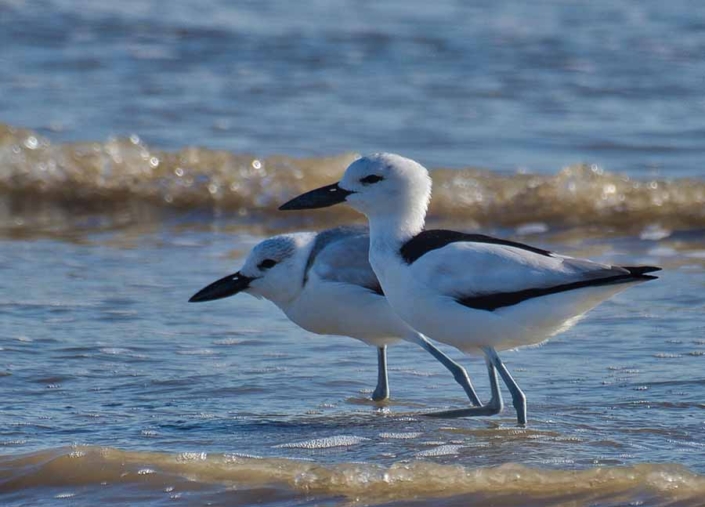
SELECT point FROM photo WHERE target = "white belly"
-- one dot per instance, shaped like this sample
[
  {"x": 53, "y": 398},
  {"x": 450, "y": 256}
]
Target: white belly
[{"x": 346, "y": 310}]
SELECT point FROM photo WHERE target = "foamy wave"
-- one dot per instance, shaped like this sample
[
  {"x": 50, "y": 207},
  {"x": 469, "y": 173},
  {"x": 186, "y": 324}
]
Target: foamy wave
[
  {"x": 441, "y": 450},
  {"x": 101, "y": 467},
  {"x": 325, "y": 443},
  {"x": 120, "y": 174}
]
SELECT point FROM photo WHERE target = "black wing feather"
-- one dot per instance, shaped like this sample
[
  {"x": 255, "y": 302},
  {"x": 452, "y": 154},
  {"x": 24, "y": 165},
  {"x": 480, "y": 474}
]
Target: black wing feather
[
  {"x": 491, "y": 302},
  {"x": 377, "y": 289}
]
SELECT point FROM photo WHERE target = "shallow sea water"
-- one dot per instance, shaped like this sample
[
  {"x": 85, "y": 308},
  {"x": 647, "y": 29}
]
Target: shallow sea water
[
  {"x": 145, "y": 146},
  {"x": 116, "y": 389}
]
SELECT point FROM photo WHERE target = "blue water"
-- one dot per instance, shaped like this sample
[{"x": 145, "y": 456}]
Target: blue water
[
  {"x": 504, "y": 85},
  {"x": 100, "y": 350},
  {"x": 116, "y": 391}
]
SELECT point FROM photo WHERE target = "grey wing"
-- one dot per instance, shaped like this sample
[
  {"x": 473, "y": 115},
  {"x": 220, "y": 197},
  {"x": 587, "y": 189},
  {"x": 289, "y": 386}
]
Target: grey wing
[
  {"x": 488, "y": 276},
  {"x": 344, "y": 258},
  {"x": 329, "y": 236}
]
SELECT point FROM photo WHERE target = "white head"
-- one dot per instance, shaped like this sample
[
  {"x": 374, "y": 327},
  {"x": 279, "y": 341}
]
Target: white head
[
  {"x": 382, "y": 185},
  {"x": 274, "y": 270}
]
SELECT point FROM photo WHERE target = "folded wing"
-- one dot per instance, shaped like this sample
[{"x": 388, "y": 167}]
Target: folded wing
[
  {"x": 488, "y": 276},
  {"x": 342, "y": 257}
]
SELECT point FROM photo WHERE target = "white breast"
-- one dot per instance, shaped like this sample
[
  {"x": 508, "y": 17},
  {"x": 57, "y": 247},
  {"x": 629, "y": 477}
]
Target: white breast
[{"x": 337, "y": 308}]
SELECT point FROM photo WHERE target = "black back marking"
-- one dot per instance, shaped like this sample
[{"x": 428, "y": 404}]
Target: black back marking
[{"x": 427, "y": 241}]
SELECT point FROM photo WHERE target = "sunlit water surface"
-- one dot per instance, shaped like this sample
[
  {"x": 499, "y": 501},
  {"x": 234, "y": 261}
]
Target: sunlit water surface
[
  {"x": 104, "y": 363},
  {"x": 137, "y": 143}
]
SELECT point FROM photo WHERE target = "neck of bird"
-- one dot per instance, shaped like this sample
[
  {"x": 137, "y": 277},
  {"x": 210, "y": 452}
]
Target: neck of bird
[
  {"x": 281, "y": 298},
  {"x": 389, "y": 232}
]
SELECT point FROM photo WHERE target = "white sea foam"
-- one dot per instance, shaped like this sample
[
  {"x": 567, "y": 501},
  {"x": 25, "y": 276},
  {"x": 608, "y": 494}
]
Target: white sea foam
[{"x": 325, "y": 443}]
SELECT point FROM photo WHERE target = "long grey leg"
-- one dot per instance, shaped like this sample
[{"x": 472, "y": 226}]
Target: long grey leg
[
  {"x": 518, "y": 397},
  {"x": 381, "y": 392},
  {"x": 493, "y": 407},
  {"x": 459, "y": 373}
]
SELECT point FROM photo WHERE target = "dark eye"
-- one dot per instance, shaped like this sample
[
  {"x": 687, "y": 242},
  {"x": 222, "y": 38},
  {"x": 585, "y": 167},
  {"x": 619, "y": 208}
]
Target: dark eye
[
  {"x": 372, "y": 178},
  {"x": 266, "y": 264}
]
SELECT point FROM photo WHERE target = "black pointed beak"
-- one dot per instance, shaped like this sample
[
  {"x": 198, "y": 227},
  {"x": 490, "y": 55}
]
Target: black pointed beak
[
  {"x": 319, "y": 198},
  {"x": 223, "y": 288}
]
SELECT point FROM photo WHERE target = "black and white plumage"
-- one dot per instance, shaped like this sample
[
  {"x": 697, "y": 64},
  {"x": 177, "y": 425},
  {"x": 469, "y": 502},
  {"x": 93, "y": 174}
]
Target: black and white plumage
[
  {"x": 586, "y": 273},
  {"x": 324, "y": 283},
  {"x": 475, "y": 292}
]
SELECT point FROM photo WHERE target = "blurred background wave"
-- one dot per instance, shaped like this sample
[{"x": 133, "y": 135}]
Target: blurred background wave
[{"x": 505, "y": 85}]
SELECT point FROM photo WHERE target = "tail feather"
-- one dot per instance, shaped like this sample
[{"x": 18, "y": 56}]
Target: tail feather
[{"x": 640, "y": 271}]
